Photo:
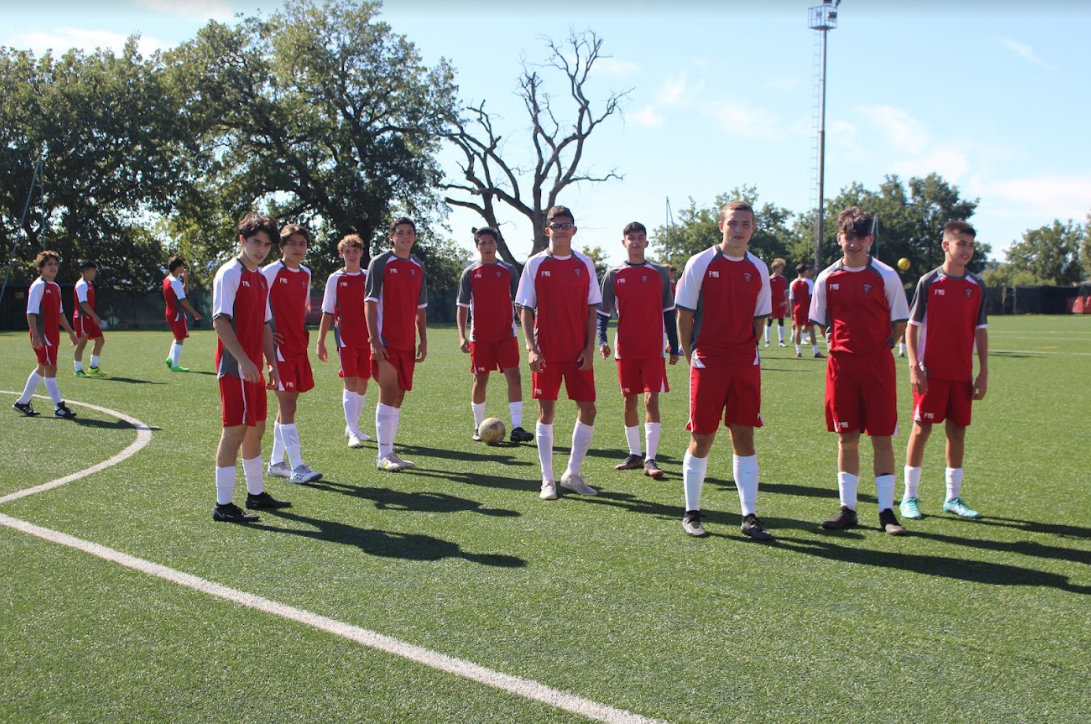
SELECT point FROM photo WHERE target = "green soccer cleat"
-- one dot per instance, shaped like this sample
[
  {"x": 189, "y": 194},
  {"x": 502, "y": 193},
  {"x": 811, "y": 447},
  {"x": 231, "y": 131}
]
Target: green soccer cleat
[
  {"x": 95, "y": 372},
  {"x": 179, "y": 368},
  {"x": 910, "y": 508},
  {"x": 81, "y": 373},
  {"x": 959, "y": 508},
  {"x": 169, "y": 363}
]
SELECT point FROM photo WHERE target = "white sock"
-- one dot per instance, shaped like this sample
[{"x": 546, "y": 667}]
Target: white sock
[
  {"x": 479, "y": 413},
  {"x": 175, "y": 354},
  {"x": 814, "y": 348},
  {"x": 912, "y": 482},
  {"x": 846, "y": 488},
  {"x": 33, "y": 381},
  {"x": 632, "y": 436},
  {"x": 348, "y": 402},
  {"x": 901, "y": 348},
  {"x": 78, "y": 364},
  {"x": 94, "y": 361},
  {"x": 651, "y": 440},
  {"x": 516, "y": 410},
  {"x": 780, "y": 333},
  {"x": 255, "y": 483},
  {"x": 884, "y": 491},
  {"x": 358, "y": 408},
  {"x": 225, "y": 485},
  {"x": 543, "y": 436},
  {"x": 745, "y": 470},
  {"x": 953, "y": 476},
  {"x": 290, "y": 434},
  {"x": 277, "y": 456},
  {"x": 767, "y": 334},
  {"x": 54, "y": 390},
  {"x": 799, "y": 350},
  {"x": 581, "y": 443},
  {"x": 386, "y": 428},
  {"x": 693, "y": 479}
]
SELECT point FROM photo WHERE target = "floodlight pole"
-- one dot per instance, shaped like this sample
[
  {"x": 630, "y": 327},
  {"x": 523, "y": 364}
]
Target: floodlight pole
[{"x": 823, "y": 18}]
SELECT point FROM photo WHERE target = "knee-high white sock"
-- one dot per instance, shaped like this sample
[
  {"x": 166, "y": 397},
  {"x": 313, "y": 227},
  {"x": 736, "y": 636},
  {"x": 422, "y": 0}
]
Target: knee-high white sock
[
  {"x": 277, "y": 456},
  {"x": 814, "y": 348},
  {"x": 78, "y": 364},
  {"x": 884, "y": 491},
  {"x": 543, "y": 436},
  {"x": 516, "y": 410},
  {"x": 651, "y": 440},
  {"x": 767, "y": 334},
  {"x": 54, "y": 390},
  {"x": 386, "y": 428},
  {"x": 846, "y": 487},
  {"x": 745, "y": 470},
  {"x": 33, "y": 381},
  {"x": 693, "y": 479},
  {"x": 479, "y": 413},
  {"x": 255, "y": 483},
  {"x": 358, "y": 408},
  {"x": 290, "y": 435},
  {"x": 581, "y": 443},
  {"x": 912, "y": 482},
  {"x": 225, "y": 485},
  {"x": 348, "y": 403},
  {"x": 176, "y": 354},
  {"x": 632, "y": 436},
  {"x": 780, "y": 331},
  {"x": 798, "y": 350},
  {"x": 94, "y": 361},
  {"x": 953, "y": 476}
]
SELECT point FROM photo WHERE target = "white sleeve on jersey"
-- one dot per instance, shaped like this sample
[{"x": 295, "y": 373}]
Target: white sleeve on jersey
[
  {"x": 764, "y": 305},
  {"x": 224, "y": 288},
  {"x": 81, "y": 290},
  {"x": 178, "y": 287},
  {"x": 329, "y": 297},
  {"x": 817, "y": 313},
  {"x": 527, "y": 296}
]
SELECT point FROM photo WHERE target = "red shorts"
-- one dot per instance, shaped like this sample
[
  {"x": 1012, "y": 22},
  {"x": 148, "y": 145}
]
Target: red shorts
[
  {"x": 642, "y": 375},
  {"x": 578, "y": 384},
  {"x": 355, "y": 361},
  {"x": 47, "y": 353},
  {"x": 799, "y": 316},
  {"x": 861, "y": 394},
  {"x": 404, "y": 364},
  {"x": 945, "y": 400},
  {"x": 488, "y": 356},
  {"x": 85, "y": 326},
  {"x": 295, "y": 374},
  {"x": 242, "y": 402},
  {"x": 179, "y": 328},
  {"x": 733, "y": 393},
  {"x": 779, "y": 312}
]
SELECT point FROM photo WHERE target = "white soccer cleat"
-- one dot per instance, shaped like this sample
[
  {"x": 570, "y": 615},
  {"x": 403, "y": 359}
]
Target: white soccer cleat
[
  {"x": 549, "y": 490},
  {"x": 303, "y": 474},
  {"x": 355, "y": 441},
  {"x": 390, "y": 464},
  {"x": 403, "y": 463},
  {"x": 279, "y": 470},
  {"x": 576, "y": 485}
]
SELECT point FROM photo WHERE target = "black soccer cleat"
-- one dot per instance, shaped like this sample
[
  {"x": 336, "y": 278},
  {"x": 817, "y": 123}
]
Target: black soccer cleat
[
  {"x": 63, "y": 412},
  {"x": 231, "y": 513},
  {"x": 265, "y": 501},
  {"x": 631, "y": 462},
  {"x": 889, "y": 523},
  {"x": 751, "y": 526},
  {"x": 845, "y": 518},
  {"x": 26, "y": 408},
  {"x": 518, "y": 435},
  {"x": 691, "y": 524}
]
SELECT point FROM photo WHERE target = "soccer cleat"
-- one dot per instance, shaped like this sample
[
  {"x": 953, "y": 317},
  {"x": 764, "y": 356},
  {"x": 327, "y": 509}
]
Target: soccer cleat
[
  {"x": 631, "y": 462},
  {"x": 179, "y": 368},
  {"x": 266, "y": 501},
  {"x": 819, "y": 355},
  {"x": 959, "y": 508},
  {"x": 518, "y": 434},
  {"x": 231, "y": 513},
  {"x": 389, "y": 463},
  {"x": 751, "y": 526},
  {"x": 362, "y": 435},
  {"x": 170, "y": 364},
  {"x": 403, "y": 463},
  {"x": 62, "y": 411},
  {"x": 889, "y": 523},
  {"x": 80, "y": 373},
  {"x": 355, "y": 441},
  {"x": 26, "y": 408},
  {"x": 910, "y": 508},
  {"x": 691, "y": 524},
  {"x": 279, "y": 470},
  {"x": 576, "y": 485},
  {"x": 475, "y": 437},
  {"x": 799, "y": 355},
  {"x": 845, "y": 518},
  {"x": 766, "y": 344},
  {"x": 783, "y": 345},
  {"x": 651, "y": 469},
  {"x": 96, "y": 372},
  {"x": 303, "y": 474},
  {"x": 549, "y": 490}
]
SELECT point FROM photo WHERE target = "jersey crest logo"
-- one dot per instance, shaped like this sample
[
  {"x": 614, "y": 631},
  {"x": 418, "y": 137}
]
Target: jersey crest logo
[
  {"x": 969, "y": 292},
  {"x": 644, "y": 278},
  {"x": 579, "y": 272},
  {"x": 413, "y": 272},
  {"x": 867, "y": 289},
  {"x": 746, "y": 277}
]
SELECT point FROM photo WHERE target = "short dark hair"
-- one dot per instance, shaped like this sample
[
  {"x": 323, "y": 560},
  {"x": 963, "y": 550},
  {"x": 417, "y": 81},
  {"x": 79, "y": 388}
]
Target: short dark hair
[
  {"x": 44, "y": 256},
  {"x": 855, "y": 222},
  {"x": 958, "y": 227},
  {"x": 486, "y": 231},
  {"x": 736, "y": 205},
  {"x": 632, "y": 227},
  {"x": 399, "y": 221},
  {"x": 87, "y": 264},
  {"x": 802, "y": 267},
  {"x": 555, "y": 211},
  {"x": 291, "y": 230},
  {"x": 174, "y": 262},
  {"x": 253, "y": 224}
]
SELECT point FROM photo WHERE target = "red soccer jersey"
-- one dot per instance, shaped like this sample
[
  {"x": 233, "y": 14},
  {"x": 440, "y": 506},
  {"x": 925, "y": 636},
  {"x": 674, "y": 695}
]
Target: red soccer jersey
[
  {"x": 399, "y": 287},
  {"x": 84, "y": 291},
  {"x": 949, "y": 311},
  {"x": 800, "y": 294},
  {"x": 640, "y": 293},
  {"x": 725, "y": 296},
  {"x": 559, "y": 290},
  {"x": 778, "y": 289},
  {"x": 858, "y": 306},
  {"x": 488, "y": 291},
  {"x": 173, "y": 291},
  {"x": 344, "y": 299},
  {"x": 242, "y": 296},
  {"x": 44, "y": 301},
  {"x": 289, "y": 290}
]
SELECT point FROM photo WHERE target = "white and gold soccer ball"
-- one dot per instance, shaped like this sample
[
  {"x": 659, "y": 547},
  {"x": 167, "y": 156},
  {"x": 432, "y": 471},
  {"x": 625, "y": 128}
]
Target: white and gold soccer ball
[{"x": 491, "y": 431}]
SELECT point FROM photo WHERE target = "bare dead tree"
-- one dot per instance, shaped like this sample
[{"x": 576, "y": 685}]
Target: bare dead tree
[{"x": 558, "y": 145}]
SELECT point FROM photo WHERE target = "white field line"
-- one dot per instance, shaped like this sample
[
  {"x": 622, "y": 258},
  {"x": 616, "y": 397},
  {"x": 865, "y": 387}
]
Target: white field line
[
  {"x": 1038, "y": 351},
  {"x": 525, "y": 688}
]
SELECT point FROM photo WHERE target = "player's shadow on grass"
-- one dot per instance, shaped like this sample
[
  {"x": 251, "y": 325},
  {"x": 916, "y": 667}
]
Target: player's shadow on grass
[
  {"x": 387, "y": 499},
  {"x": 481, "y": 480},
  {"x": 413, "y": 450},
  {"x": 386, "y": 544},
  {"x": 1020, "y": 547},
  {"x": 103, "y": 424},
  {"x": 1032, "y": 526},
  {"x": 1012, "y": 355},
  {"x": 799, "y": 491},
  {"x": 131, "y": 380}
]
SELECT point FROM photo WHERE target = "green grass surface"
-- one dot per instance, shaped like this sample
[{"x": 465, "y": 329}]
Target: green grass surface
[{"x": 601, "y": 597}]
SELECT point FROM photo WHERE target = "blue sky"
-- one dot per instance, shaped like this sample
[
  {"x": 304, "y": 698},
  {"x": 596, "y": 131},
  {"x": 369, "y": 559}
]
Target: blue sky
[{"x": 992, "y": 95}]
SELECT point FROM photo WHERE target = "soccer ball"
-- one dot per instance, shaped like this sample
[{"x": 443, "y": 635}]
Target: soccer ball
[
  {"x": 903, "y": 264},
  {"x": 491, "y": 430}
]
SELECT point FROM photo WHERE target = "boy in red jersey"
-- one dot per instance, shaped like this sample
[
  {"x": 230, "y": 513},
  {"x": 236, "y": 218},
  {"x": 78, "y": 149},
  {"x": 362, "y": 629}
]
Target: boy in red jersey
[
  {"x": 558, "y": 300},
  {"x": 778, "y": 290},
  {"x": 947, "y": 321},
  {"x": 289, "y": 296},
  {"x": 86, "y": 321},
  {"x": 45, "y": 313},
  {"x": 343, "y": 304},
  {"x": 859, "y": 301},
  {"x": 175, "y": 289},
  {"x": 799, "y": 294},
  {"x": 640, "y": 293},
  {"x": 723, "y": 300},
  {"x": 396, "y": 296},
  {"x": 243, "y": 322},
  {"x": 487, "y": 292}
]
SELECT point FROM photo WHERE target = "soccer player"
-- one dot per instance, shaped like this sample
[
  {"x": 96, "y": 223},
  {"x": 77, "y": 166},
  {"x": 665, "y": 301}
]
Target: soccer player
[
  {"x": 45, "y": 313},
  {"x": 289, "y": 294},
  {"x": 243, "y": 322},
  {"x": 86, "y": 321},
  {"x": 343, "y": 304},
  {"x": 396, "y": 298},
  {"x": 799, "y": 294},
  {"x": 859, "y": 301},
  {"x": 946, "y": 322},
  {"x": 723, "y": 300},
  {"x": 558, "y": 300},
  {"x": 487, "y": 292},
  {"x": 175, "y": 289},
  {"x": 778, "y": 289},
  {"x": 640, "y": 293}
]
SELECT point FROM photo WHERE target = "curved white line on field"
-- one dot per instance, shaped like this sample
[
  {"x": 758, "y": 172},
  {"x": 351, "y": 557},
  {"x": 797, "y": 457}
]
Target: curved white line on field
[{"x": 143, "y": 437}]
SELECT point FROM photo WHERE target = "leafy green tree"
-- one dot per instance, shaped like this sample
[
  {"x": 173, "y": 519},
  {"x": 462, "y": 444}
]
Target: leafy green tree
[
  {"x": 1085, "y": 250},
  {"x": 1049, "y": 253}
]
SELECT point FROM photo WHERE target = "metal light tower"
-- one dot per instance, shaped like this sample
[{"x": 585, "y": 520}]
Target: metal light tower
[{"x": 823, "y": 18}]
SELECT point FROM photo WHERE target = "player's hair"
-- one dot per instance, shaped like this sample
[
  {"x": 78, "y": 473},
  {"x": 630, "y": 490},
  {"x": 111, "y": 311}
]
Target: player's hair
[
  {"x": 44, "y": 256},
  {"x": 87, "y": 264},
  {"x": 399, "y": 221},
  {"x": 486, "y": 231},
  {"x": 736, "y": 206},
  {"x": 253, "y": 224},
  {"x": 802, "y": 267},
  {"x": 672, "y": 267},
  {"x": 350, "y": 240},
  {"x": 855, "y": 222},
  {"x": 632, "y": 227},
  {"x": 555, "y": 211},
  {"x": 174, "y": 262},
  {"x": 292, "y": 229},
  {"x": 778, "y": 262},
  {"x": 958, "y": 227}
]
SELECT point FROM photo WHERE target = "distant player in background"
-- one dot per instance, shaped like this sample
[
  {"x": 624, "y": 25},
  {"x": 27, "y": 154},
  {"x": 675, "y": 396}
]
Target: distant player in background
[
  {"x": 45, "y": 314},
  {"x": 778, "y": 289},
  {"x": 558, "y": 302},
  {"x": 640, "y": 293},
  {"x": 343, "y": 307},
  {"x": 397, "y": 313},
  {"x": 289, "y": 296},
  {"x": 175, "y": 291},
  {"x": 946, "y": 323},
  {"x": 486, "y": 294},
  {"x": 799, "y": 295},
  {"x": 85, "y": 319}
]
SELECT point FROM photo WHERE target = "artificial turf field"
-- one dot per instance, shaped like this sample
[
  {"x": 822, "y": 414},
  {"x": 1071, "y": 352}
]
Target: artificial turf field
[{"x": 604, "y": 598}]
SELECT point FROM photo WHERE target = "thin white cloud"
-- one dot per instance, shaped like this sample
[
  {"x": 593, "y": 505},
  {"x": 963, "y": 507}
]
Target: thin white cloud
[
  {"x": 612, "y": 66},
  {"x": 673, "y": 91},
  {"x": 1051, "y": 197},
  {"x": 901, "y": 130},
  {"x": 1024, "y": 51},
  {"x": 205, "y": 9},
  {"x": 740, "y": 118},
  {"x": 647, "y": 116},
  {"x": 61, "y": 40}
]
